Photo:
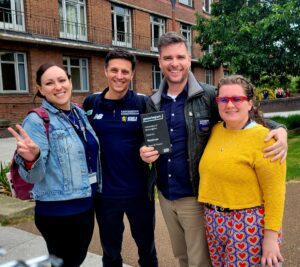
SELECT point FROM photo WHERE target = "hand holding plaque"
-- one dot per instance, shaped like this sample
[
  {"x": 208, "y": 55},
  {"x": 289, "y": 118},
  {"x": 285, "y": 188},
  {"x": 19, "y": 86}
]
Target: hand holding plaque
[{"x": 156, "y": 131}]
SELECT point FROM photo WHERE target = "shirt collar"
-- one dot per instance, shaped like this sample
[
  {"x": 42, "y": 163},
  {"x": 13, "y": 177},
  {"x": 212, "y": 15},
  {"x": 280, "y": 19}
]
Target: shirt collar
[{"x": 184, "y": 92}]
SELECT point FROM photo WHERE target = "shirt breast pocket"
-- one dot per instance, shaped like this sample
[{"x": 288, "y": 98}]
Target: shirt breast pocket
[{"x": 61, "y": 142}]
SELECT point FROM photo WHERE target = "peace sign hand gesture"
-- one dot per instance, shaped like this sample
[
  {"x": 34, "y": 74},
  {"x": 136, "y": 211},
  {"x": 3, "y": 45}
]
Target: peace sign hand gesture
[{"x": 26, "y": 148}]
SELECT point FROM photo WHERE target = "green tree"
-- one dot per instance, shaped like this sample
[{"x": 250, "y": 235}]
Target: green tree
[{"x": 258, "y": 39}]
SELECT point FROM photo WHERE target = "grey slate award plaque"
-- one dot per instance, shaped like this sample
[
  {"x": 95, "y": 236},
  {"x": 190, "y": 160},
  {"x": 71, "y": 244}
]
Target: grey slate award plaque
[{"x": 156, "y": 131}]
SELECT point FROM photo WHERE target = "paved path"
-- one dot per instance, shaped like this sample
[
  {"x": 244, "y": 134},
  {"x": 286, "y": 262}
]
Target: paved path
[
  {"x": 291, "y": 230},
  {"x": 291, "y": 237},
  {"x": 23, "y": 245},
  {"x": 7, "y": 146}
]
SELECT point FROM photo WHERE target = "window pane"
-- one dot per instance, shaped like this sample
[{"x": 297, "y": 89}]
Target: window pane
[
  {"x": 186, "y": 2},
  {"x": 85, "y": 79},
  {"x": 7, "y": 57},
  {"x": 82, "y": 21},
  {"x": 119, "y": 10},
  {"x": 22, "y": 78},
  {"x": 156, "y": 35},
  {"x": 75, "y": 75},
  {"x": 5, "y": 11},
  {"x": 74, "y": 62},
  {"x": 71, "y": 19},
  {"x": 8, "y": 77},
  {"x": 18, "y": 12},
  {"x": 20, "y": 58},
  {"x": 120, "y": 29},
  {"x": 157, "y": 80},
  {"x": 120, "y": 24}
]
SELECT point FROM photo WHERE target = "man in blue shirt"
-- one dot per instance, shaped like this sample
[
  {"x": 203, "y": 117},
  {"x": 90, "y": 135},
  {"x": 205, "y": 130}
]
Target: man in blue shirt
[
  {"x": 191, "y": 112},
  {"x": 115, "y": 116}
]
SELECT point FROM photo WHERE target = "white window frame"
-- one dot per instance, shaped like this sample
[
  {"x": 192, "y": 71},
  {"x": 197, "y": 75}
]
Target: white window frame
[
  {"x": 127, "y": 34},
  {"x": 209, "y": 50},
  {"x": 83, "y": 68},
  {"x": 156, "y": 22},
  {"x": 209, "y": 75},
  {"x": 69, "y": 29},
  {"x": 207, "y": 6},
  {"x": 17, "y": 70},
  {"x": 186, "y": 2},
  {"x": 186, "y": 31},
  {"x": 156, "y": 70},
  {"x": 16, "y": 13}
]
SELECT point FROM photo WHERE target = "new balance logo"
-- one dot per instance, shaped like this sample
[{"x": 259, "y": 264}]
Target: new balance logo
[{"x": 98, "y": 117}]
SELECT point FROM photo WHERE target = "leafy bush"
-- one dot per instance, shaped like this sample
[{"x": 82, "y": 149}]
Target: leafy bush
[
  {"x": 291, "y": 122},
  {"x": 259, "y": 92},
  {"x": 295, "y": 85},
  {"x": 4, "y": 184}
]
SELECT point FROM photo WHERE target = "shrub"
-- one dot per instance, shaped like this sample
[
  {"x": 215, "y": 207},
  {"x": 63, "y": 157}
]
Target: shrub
[
  {"x": 291, "y": 122},
  {"x": 259, "y": 92},
  {"x": 4, "y": 184}
]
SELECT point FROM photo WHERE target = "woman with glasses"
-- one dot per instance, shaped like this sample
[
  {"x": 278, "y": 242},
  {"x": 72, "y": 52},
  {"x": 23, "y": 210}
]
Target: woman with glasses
[
  {"x": 62, "y": 163},
  {"x": 243, "y": 192}
]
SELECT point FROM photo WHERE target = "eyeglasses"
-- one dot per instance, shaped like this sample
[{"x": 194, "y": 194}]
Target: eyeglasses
[{"x": 234, "y": 99}]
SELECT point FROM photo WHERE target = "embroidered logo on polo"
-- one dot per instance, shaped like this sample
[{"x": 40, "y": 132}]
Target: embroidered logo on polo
[{"x": 98, "y": 117}]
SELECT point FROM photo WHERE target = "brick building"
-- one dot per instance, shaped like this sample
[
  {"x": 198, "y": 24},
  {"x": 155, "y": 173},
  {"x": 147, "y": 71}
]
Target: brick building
[{"x": 78, "y": 34}]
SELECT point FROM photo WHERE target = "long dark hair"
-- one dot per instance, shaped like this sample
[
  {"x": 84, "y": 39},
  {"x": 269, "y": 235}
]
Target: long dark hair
[
  {"x": 255, "y": 112},
  {"x": 41, "y": 70}
]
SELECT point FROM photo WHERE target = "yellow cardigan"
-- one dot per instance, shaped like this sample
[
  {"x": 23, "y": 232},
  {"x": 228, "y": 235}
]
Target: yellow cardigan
[{"x": 234, "y": 174}]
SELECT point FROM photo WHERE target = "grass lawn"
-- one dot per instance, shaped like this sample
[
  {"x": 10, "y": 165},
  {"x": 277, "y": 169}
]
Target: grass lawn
[{"x": 293, "y": 158}]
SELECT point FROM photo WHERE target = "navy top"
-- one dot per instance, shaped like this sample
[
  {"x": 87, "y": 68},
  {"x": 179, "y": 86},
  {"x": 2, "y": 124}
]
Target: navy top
[
  {"x": 91, "y": 147},
  {"x": 174, "y": 179},
  {"x": 118, "y": 127}
]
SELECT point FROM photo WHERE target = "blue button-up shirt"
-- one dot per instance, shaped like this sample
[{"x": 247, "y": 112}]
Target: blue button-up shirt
[{"x": 174, "y": 179}]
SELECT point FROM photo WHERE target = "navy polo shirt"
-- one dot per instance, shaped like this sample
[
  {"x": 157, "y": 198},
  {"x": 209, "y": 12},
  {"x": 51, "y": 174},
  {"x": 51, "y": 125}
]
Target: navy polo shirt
[
  {"x": 118, "y": 126},
  {"x": 173, "y": 168}
]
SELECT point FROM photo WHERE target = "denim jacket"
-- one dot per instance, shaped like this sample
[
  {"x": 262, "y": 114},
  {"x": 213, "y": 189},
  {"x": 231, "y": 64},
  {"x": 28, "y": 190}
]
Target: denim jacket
[{"x": 60, "y": 172}]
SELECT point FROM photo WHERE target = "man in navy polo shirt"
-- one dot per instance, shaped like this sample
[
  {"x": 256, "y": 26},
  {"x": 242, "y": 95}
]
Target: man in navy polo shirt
[
  {"x": 191, "y": 112},
  {"x": 115, "y": 116}
]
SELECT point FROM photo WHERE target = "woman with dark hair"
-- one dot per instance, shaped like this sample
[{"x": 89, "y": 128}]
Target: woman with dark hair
[
  {"x": 63, "y": 165},
  {"x": 244, "y": 192}
]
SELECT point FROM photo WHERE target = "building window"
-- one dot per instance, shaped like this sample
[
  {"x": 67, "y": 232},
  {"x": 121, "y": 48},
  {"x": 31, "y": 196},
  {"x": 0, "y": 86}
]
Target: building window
[
  {"x": 121, "y": 26},
  {"x": 12, "y": 15},
  {"x": 130, "y": 86},
  {"x": 72, "y": 14},
  {"x": 157, "y": 77},
  {"x": 186, "y": 31},
  {"x": 157, "y": 28},
  {"x": 209, "y": 50},
  {"x": 78, "y": 69},
  {"x": 207, "y": 6},
  {"x": 226, "y": 73},
  {"x": 186, "y": 2},
  {"x": 13, "y": 72},
  {"x": 208, "y": 76}
]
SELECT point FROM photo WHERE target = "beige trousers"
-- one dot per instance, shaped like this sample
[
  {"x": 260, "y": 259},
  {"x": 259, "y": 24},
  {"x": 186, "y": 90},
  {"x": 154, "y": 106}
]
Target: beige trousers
[{"x": 184, "y": 218}]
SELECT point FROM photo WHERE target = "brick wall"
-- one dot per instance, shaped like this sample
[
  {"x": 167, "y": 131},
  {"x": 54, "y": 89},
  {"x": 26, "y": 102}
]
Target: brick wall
[
  {"x": 99, "y": 16},
  {"x": 44, "y": 23},
  {"x": 282, "y": 104},
  {"x": 141, "y": 29},
  {"x": 143, "y": 76}
]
